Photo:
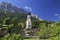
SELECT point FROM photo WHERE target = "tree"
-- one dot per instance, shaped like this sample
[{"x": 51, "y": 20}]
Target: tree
[
  {"x": 7, "y": 21},
  {"x": 13, "y": 36},
  {"x": 35, "y": 23},
  {"x": 15, "y": 21}
]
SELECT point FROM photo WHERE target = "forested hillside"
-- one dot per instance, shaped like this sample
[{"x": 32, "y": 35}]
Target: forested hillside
[{"x": 13, "y": 23}]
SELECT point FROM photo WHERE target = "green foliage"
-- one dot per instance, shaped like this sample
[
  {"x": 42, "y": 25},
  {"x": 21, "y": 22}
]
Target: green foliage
[
  {"x": 35, "y": 23},
  {"x": 13, "y": 36},
  {"x": 7, "y": 21},
  {"x": 48, "y": 30}
]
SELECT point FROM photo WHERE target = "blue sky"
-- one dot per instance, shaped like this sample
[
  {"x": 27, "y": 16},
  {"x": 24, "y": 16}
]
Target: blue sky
[{"x": 45, "y": 9}]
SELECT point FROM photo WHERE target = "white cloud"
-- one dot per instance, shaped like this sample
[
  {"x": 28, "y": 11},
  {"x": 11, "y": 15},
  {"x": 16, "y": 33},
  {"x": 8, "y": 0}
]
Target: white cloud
[
  {"x": 59, "y": 16},
  {"x": 28, "y": 8},
  {"x": 56, "y": 14}
]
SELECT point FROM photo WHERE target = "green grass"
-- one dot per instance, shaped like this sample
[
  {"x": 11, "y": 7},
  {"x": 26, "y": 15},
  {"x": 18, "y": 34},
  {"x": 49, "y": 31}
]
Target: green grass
[
  {"x": 52, "y": 38},
  {"x": 31, "y": 39}
]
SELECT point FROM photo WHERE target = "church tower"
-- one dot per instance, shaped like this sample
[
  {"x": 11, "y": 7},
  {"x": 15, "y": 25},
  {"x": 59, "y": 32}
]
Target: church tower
[{"x": 28, "y": 22}]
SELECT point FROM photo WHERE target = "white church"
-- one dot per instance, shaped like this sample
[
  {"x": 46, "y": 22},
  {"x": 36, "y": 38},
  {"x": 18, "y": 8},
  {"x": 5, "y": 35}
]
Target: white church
[{"x": 28, "y": 21}]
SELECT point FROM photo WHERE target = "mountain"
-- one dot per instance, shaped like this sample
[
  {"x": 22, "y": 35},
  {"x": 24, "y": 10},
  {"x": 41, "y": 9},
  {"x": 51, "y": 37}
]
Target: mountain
[
  {"x": 8, "y": 10},
  {"x": 9, "y": 7}
]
